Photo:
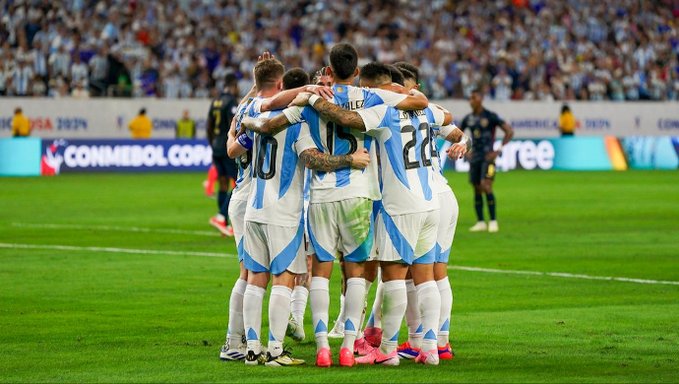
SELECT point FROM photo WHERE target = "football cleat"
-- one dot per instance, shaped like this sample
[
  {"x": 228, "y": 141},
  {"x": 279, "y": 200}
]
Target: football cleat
[
  {"x": 480, "y": 226},
  {"x": 446, "y": 352},
  {"x": 221, "y": 226},
  {"x": 373, "y": 335},
  {"x": 295, "y": 330},
  {"x": 493, "y": 227},
  {"x": 323, "y": 358},
  {"x": 346, "y": 358},
  {"x": 337, "y": 331},
  {"x": 253, "y": 358},
  {"x": 232, "y": 354},
  {"x": 377, "y": 357},
  {"x": 285, "y": 359},
  {"x": 362, "y": 347},
  {"x": 406, "y": 351},
  {"x": 428, "y": 357}
]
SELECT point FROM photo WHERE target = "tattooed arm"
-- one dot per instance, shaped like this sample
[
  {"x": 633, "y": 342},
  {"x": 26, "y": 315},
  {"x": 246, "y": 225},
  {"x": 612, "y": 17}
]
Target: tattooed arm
[
  {"x": 339, "y": 115},
  {"x": 265, "y": 126},
  {"x": 316, "y": 160}
]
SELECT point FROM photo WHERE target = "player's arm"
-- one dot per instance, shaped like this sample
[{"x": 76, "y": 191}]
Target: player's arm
[
  {"x": 414, "y": 101},
  {"x": 282, "y": 99},
  {"x": 509, "y": 133},
  {"x": 263, "y": 126},
  {"x": 237, "y": 145},
  {"x": 330, "y": 111},
  {"x": 461, "y": 142},
  {"x": 319, "y": 161}
]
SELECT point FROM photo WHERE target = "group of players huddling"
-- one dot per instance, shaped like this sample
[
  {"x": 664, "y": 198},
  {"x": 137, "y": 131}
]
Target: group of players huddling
[{"x": 377, "y": 200}]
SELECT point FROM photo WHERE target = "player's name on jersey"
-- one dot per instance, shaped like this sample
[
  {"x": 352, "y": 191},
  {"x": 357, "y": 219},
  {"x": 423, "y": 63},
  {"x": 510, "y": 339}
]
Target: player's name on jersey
[
  {"x": 353, "y": 105},
  {"x": 404, "y": 115}
]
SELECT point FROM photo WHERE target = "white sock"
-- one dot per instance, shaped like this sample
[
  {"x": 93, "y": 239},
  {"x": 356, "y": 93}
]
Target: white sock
[
  {"x": 430, "y": 310},
  {"x": 368, "y": 284},
  {"x": 413, "y": 319},
  {"x": 279, "y": 312},
  {"x": 236, "y": 330},
  {"x": 395, "y": 301},
  {"x": 446, "y": 293},
  {"x": 252, "y": 316},
  {"x": 298, "y": 304},
  {"x": 341, "y": 316},
  {"x": 319, "y": 295},
  {"x": 375, "y": 319},
  {"x": 353, "y": 307}
]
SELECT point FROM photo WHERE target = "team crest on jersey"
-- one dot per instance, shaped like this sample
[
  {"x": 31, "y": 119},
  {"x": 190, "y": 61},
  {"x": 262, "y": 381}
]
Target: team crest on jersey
[
  {"x": 339, "y": 89},
  {"x": 484, "y": 122}
]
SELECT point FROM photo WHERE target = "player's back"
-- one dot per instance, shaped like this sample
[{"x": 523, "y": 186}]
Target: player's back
[
  {"x": 277, "y": 189},
  {"x": 346, "y": 183},
  {"x": 406, "y": 163}
]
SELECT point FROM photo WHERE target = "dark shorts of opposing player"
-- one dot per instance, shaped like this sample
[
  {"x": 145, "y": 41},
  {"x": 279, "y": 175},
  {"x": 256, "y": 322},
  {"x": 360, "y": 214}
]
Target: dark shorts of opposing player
[
  {"x": 480, "y": 170},
  {"x": 225, "y": 166}
]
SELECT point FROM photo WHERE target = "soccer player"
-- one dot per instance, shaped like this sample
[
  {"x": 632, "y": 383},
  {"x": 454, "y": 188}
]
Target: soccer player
[
  {"x": 240, "y": 149},
  {"x": 407, "y": 230},
  {"x": 483, "y": 124},
  {"x": 341, "y": 202},
  {"x": 219, "y": 119},
  {"x": 273, "y": 218},
  {"x": 448, "y": 213}
]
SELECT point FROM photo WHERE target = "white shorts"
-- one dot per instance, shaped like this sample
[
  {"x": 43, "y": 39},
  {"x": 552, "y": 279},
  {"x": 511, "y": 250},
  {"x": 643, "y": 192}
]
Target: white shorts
[
  {"x": 308, "y": 247},
  {"x": 409, "y": 238},
  {"x": 237, "y": 217},
  {"x": 342, "y": 227},
  {"x": 448, "y": 213},
  {"x": 377, "y": 209},
  {"x": 274, "y": 248}
]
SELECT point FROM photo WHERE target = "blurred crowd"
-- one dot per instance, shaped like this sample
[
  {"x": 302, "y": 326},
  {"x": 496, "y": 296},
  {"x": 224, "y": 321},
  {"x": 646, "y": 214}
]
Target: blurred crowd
[{"x": 512, "y": 49}]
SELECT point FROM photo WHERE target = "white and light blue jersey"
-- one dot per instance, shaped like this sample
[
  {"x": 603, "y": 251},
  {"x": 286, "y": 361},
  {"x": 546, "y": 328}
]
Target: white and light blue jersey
[
  {"x": 405, "y": 144},
  {"x": 344, "y": 183},
  {"x": 244, "y": 161},
  {"x": 440, "y": 182},
  {"x": 277, "y": 190}
]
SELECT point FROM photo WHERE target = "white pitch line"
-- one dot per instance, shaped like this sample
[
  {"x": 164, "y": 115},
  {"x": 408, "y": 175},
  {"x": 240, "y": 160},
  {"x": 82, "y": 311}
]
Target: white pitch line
[
  {"x": 113, "y": 250},
  {"x": 563, "y": 275},
  {"x": 214, "y": 254},
  {"x": 116, "y": 228}
]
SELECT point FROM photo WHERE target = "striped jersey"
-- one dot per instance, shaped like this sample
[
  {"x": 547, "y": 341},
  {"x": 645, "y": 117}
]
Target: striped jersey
[
  {"x": 404, "y": 138},
  {"x": 244, "y": 161},
  {"x": 277, "y": 190},
  {"x": 344, "y": 183}
]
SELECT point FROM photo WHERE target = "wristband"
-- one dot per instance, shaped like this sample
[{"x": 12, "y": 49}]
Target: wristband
[
  {"x": 313, "y": 99},
  {"x": 244, "y": 140}
]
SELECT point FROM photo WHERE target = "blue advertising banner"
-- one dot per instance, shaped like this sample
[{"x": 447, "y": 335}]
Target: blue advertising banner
[
  {"x": 20, "y": 156},
  {"x": 64, "y": 156}
]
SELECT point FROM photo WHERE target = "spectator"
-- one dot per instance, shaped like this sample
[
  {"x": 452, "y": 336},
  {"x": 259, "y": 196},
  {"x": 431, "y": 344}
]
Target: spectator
[{"x": 573, "y": 48}]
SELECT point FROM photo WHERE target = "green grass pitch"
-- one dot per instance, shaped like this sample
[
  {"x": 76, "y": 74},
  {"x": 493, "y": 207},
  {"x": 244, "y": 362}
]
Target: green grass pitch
[{"x": 75, "y": 308}]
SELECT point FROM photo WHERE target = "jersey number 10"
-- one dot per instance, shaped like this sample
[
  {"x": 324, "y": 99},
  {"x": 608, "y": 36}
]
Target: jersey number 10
[{"x": 263, "y": 143}]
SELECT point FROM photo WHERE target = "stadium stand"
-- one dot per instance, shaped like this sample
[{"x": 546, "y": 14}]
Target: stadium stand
[{"x": 587, "y": 50}]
